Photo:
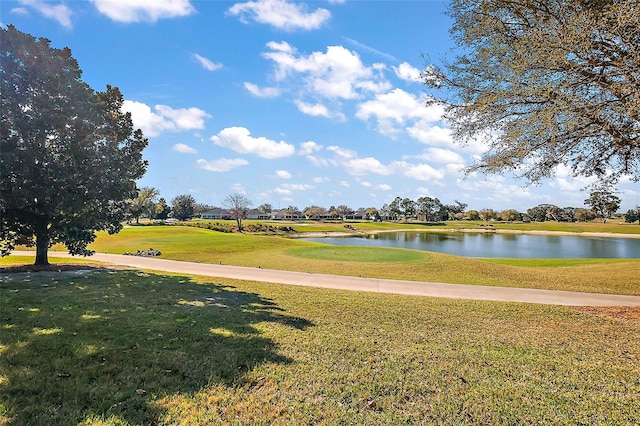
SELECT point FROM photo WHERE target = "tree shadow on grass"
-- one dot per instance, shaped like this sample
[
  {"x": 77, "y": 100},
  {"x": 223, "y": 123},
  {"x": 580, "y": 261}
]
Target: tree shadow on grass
[{"x": 105, "y": 344}]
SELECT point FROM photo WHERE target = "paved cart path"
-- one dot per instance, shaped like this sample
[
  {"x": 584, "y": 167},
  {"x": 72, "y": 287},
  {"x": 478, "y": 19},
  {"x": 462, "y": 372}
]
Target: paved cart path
[{"x": 416, "y": 288}]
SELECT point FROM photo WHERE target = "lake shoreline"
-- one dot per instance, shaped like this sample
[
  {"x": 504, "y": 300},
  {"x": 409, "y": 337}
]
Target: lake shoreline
[{"x": 337, "y": 234}]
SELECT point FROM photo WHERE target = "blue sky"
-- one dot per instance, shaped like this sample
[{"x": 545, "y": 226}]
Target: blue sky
[{"x": 288, "y": 103}]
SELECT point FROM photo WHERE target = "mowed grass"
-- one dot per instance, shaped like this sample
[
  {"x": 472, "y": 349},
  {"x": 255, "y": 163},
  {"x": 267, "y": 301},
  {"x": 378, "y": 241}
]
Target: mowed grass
[
  {"x": 619, "y": 276},
  {"x": 109, "y": 347}
]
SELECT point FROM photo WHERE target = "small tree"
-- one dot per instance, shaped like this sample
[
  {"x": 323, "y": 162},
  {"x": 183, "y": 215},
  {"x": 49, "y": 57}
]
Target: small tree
[
  {"x": 603, "y": 202},
  {"x": 584, "y": 215},
  {"x": 487, "y": 214},
  {"x": 162, "y": 209},
  {"x": 69, "y": 156},
  {"x": 265, "y": 209},
  {"x": 143, "y": 203},
  {"x": 511, "y": 215},
  {"x": 238, "y": 206},
  {"x": 632, "y": 216},
  {"x": 183, "y": 207},
  {"x": 343, "y": 211},
  {"x": 314, "y": 211}
]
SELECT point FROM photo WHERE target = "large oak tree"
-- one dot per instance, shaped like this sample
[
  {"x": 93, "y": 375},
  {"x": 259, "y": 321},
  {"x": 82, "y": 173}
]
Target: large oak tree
[
  {"x": 545, "y": 83},
  {"x": 69, "y": 156}
]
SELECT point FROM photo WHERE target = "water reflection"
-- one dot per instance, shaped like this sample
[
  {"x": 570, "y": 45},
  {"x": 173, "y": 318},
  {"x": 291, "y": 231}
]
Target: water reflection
[{"x": 499, "y": 245}]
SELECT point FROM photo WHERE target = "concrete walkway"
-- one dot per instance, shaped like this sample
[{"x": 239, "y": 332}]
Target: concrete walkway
[{"x": 416, "y": 288}]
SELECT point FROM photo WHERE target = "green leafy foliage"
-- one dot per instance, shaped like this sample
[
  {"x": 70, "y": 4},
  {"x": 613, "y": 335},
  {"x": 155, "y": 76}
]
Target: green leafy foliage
[{"x": 69, "y": 156}]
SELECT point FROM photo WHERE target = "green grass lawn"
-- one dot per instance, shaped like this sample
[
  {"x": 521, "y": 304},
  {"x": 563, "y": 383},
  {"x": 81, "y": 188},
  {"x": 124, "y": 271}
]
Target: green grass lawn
[
  {"x": 206, "y": 246},
  {"x": 110, "y": 347}
]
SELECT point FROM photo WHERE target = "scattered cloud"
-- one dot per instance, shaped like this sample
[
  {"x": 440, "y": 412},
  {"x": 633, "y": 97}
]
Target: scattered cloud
[
  {"x": 318, "y": 110},
  {"x": 283, "y": 174},
  {"x": 58, "y": 12},
  {"x": 128, "y": 11},
  {"x": 239, "y": 139},
  {"x": 440, "y": 155},
  {"x": 314, "y": 110},
  {"x": 184, "y": 148},
  {"x": 280, "y": 14},
  {"x": 345, "y": 184},
  {"x": 422, "y": 172},
  {"x": 321, "y": 179},
  {"x": 164, "y": 118},
  {"x": 565, "y": 181},
  {"x": 384, "y": 187},
  {"x": 222, "y": 164},
  {"x": 431, "y": 134},
  {"x": 262, "y": 92},
  {"x": 207, "y": 64},
  {"x": 407, "y": 72},
  {"x": 397, "y": 110},
  {"x": 335, "y": 74},
  {"x": 308, "y": 148},
  {"x": 365, "y": 166},
  {"x": 289, "y": 188}
]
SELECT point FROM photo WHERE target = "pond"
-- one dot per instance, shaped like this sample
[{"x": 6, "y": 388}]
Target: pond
[{"x": 498, "y": 245}]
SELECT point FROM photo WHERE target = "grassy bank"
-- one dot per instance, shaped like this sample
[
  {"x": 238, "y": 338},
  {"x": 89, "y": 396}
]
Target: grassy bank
[
  {"x": 613, "y": 227},
  {"x": 201, "y": 245},
  {"x": 123, "y": 347}
]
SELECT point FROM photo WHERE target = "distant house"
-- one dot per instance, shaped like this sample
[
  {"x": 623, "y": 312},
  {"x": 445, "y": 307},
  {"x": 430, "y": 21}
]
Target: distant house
[
  {"x": 360, "y": 214},
  {"x": 256, "y": 214},
  {"x": 285, "y": 214},
  {"x": 220, "y": 214}
]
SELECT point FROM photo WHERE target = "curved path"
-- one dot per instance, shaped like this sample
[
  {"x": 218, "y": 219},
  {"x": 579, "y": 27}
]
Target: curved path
[{"x": 416, "y": 288}]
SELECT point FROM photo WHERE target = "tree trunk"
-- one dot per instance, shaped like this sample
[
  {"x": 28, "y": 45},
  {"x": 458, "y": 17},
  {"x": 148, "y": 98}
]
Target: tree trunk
[{"x": 42, "y": 243}]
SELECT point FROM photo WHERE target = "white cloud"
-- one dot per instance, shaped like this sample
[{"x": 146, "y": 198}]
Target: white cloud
[
  {"x": 314, "y": 110},
  {"x": 422, "y": 172},
  {"x": 321, "y": 179},
  {"x": 239, "y": 139},
  {"x": 366, "y": 184},
  {"x": 262, "y": 92},
  {"x": 207, "y": 64},
  {"x": 184, "y": 118},
  {"x": 222, "y": 164},
  {"x": 307, "y": 148},
  {"x": 365, "y": 166},
  {"x": 59, "y": 12},
  {"x": 430, "y": 134},
  {"x": 143, "y": 10},
  {"x": 342, "y": 153},
  {"x": 239, "y": 188},
  {"x": 296, "y": 186},
  {"x": 345, "y": 184},
  {"x": 407, "y": 72},
  {"x": 397, "y": 110},
  {"x": 565, "y": 181},
  {"x": 184, "y": 148},
  {"x": 280, "y": 14},
  {"x": 288, "y": 188},
  {"x": 283, "y": 174},
  {"x": 440, "y": 155},
  {"x": 164, "y": 118},
  {"x": 336, "y": 74},
  {"x": 384, "y": 187}
]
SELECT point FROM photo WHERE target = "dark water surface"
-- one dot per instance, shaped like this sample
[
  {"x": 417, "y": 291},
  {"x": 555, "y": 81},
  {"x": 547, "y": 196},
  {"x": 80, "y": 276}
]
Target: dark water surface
[{"x": 498, "y": 245}]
